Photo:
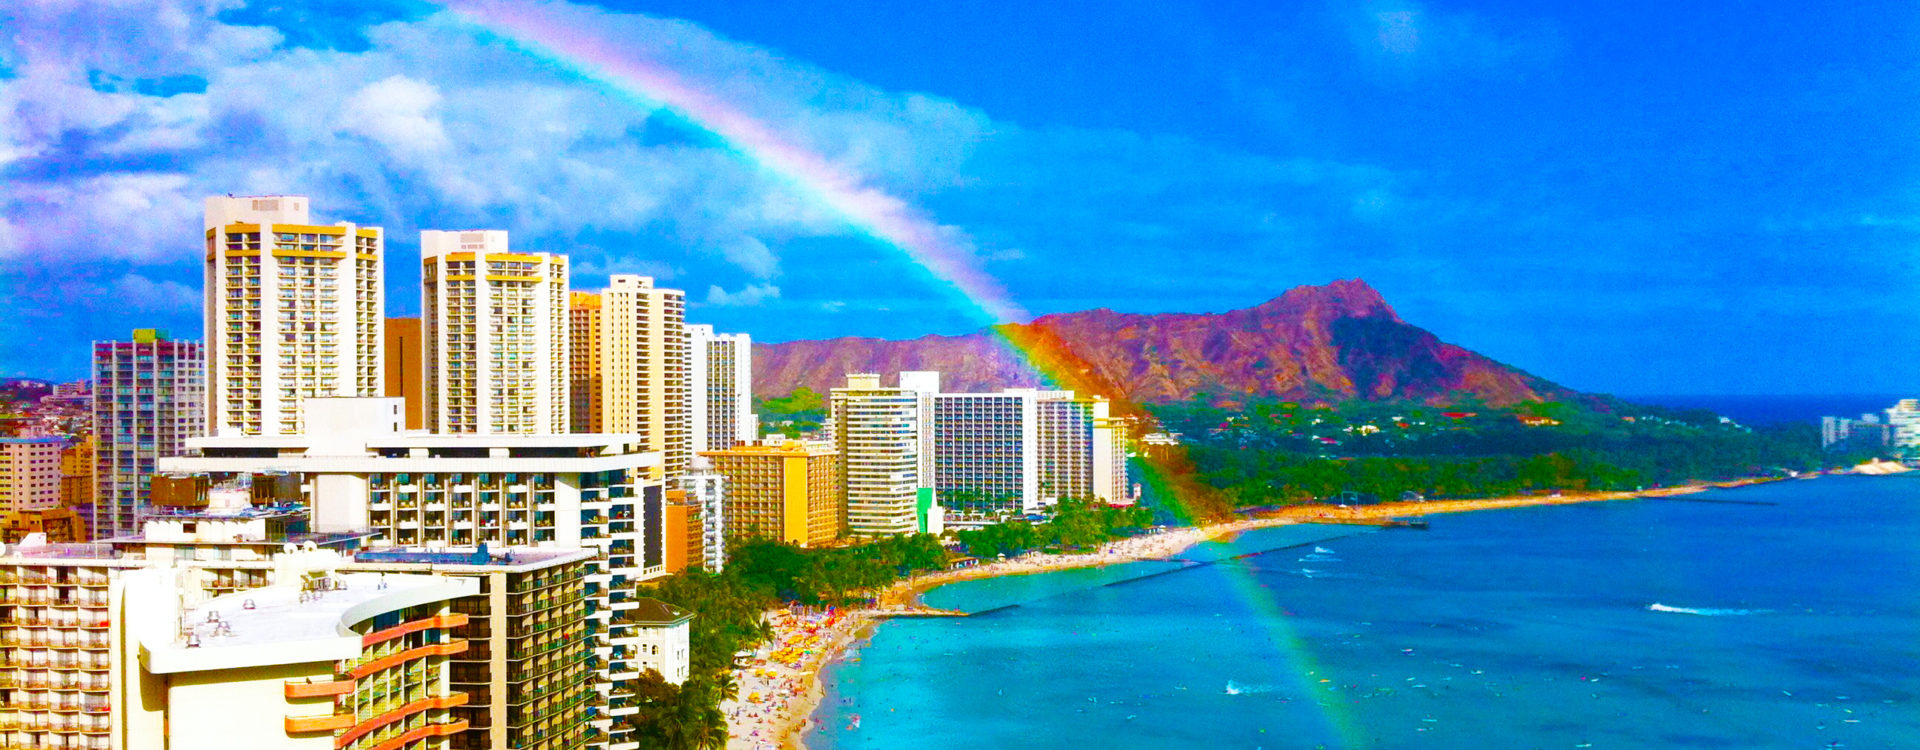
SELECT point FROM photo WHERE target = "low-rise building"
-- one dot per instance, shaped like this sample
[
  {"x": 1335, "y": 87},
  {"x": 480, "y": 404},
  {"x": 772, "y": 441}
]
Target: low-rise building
[
  {"x": 661, "y": 640},
  {"x": 30, "y": 472},
  {"x": 55, "y": 524}
]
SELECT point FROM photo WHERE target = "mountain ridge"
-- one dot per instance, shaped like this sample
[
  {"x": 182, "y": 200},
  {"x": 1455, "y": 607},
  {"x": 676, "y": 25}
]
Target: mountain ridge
[{"x": 1322, "y": 344}]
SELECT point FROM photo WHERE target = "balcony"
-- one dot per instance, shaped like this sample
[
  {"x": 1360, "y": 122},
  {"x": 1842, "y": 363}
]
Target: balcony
[
  {"x": 330, "y": 688},
  {"x": 312, "y": 724}
]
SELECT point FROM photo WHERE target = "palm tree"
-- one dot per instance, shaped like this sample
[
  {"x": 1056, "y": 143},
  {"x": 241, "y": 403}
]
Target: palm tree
[{"x": 726, "y": 685}]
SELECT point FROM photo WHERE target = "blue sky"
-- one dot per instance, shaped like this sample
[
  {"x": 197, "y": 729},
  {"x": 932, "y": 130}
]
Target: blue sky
[{"x": 1631, "y": 198}]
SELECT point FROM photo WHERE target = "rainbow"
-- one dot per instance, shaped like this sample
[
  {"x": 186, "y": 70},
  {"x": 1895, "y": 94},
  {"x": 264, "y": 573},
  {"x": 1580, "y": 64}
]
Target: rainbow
[
  {"x": 543, "y": 32},
  {"x": 538, "y": 31}
]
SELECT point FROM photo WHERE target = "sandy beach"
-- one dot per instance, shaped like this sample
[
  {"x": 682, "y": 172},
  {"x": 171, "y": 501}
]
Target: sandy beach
[{"x": 780, "y": 690}]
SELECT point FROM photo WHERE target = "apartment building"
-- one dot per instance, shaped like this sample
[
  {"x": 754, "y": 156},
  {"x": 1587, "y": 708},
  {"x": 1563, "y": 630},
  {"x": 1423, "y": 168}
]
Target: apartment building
[
  {"x": 642, "y": 348},
  {"x": 294, "y": 310},
  {"x": 720, "y": 388},
  {"x": 788, "y": 492},
  {"x": 584, "y": 363},
  {"x": 877, "y": 434},
  {"x": 495, "y": 331},
  {"x": 30, "y": 473},
  {"x": 149, "y": 396},
  {"x": 529, "y": 673},
  {"x": 1903, "y": 426},
  {"x": 706, "y": 491},
  {"x": 76, "y": 472}
]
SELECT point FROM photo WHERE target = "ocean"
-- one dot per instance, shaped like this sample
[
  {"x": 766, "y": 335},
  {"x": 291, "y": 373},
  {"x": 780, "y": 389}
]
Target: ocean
[
  {"x": 1778, "y": 616},
  {"x": 1765, "y": 410}
]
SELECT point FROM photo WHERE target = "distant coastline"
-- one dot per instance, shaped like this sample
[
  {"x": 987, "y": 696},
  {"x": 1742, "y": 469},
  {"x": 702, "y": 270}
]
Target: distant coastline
[
  {"x": 1774, "y": 409},
  {"x": 786, "y": 721}
]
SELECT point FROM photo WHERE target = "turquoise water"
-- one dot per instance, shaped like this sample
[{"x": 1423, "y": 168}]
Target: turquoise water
[{"x": 1790, "y": 619}]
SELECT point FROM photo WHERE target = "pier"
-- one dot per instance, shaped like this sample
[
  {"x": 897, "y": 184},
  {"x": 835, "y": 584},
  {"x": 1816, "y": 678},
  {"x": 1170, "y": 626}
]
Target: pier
[
  {"x": 888, "y": 612},
  {"x": 1384, "y": 523}
]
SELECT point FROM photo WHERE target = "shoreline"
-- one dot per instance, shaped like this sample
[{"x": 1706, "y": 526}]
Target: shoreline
[{"x": 794, "y": 691}]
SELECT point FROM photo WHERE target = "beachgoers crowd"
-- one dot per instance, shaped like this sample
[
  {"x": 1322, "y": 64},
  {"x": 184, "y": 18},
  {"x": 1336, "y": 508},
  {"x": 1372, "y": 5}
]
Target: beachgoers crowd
[{"x": 777, "y": 684}]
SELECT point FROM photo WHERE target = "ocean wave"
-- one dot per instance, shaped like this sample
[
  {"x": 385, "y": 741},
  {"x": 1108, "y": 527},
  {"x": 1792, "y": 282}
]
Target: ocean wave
[
  {"x": 1235, "y": 688},
  {"x": 1705, "y": 611}
]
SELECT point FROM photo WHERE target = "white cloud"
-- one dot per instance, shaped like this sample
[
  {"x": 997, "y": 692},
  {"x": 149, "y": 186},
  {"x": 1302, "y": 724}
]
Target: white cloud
[
  {"x": 435, "y": 124},
  {"x": 1410, "y": 34},
  {"x": 752, "y": 256},
  {"x": 397, "y": 112},
  {"x": 753, "y": 295},
  {"x": 141, "y": 293}
]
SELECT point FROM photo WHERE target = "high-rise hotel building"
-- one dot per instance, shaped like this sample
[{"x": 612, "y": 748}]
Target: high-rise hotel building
[
  {"x": 293, "y": 310},
  {"x": 583, "y": 364},
  {"x": 979, "y": 454},
  {"x": 360, "y": 472},
  {"x": 1082, "y": 448},
  {"x": 148, "y": 398},
  {"x": 788, "y": 492},
  {"x": 495, "y": 330},
  {"x": 642, "y": 348},
  {"x": 721, "y": 388},
  {"x": 877, "y": 431}
]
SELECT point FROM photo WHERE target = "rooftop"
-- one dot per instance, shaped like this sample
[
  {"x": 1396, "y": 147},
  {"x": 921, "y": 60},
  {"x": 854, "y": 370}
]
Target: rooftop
[
  {"x": 321, "y": 539},
  {"x": 469, "y": 558},
  {"x": 286, "y": 624},
  {"x": 63, "y": 551},
  {"x": 789, "y": 448},
  {"x": 651, "y": 611},
  {"x": 284, "y": 510}
]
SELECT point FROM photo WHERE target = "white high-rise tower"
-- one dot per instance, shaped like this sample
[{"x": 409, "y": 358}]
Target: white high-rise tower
[
  {"x": 293, "y": 310},
  {"x": 720, "y": 388},
  {"x": 877, "y": 431},
  {"x": 494, "y": 324}
]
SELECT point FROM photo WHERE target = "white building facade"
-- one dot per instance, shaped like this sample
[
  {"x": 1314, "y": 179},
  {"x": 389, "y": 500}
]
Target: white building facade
[
  {"x": 708, "y": 491},
  {"x": 877, "y": 431},
  {"x": 980, "y": 455},
  {"x": 720, "y": 388},
  {"x": 1082, "y": 449},
  {"x": 1904, "y": 422},
  {"x": 495, "y": 329},
  {"x": 293, "y": 311}
]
